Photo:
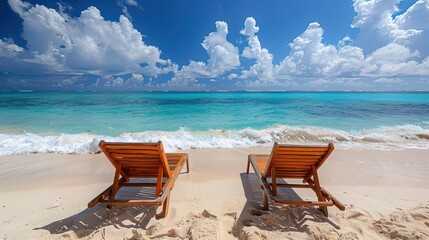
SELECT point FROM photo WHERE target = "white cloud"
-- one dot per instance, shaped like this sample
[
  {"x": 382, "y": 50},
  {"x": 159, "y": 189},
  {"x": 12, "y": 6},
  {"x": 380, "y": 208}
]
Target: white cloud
[
  {"x": 272, "y": 84},
  {"x": 391, "y": 60},
  {"x": 250, "y": 27},
  {"x": 87, "y": 43},
  {"x": 19, "y": 7},
  {"x": 389, "y": 80},
  {"x": 388, "y": 45},
  {"x": 374, "y": 19},
  {"x": 379, "y": 27},
  {"x": 223, "y": 57},
  {"x": 328, "y": 83},
  {"x": 124, "y": 5},
  {"x": 125, "y": 12},
  {"x": 397, "y": 45},
  {"x": 373, "y": 13},
  {"x": 66, "y": 82},
  {"x": 263, "y": 68},
  {"x": 137, "y": 77},
  {"x": 323, "y": 82},
  {"x": 310, "y": 57},
  {"x": 8, "y": 48},
  {"x": 232, "y": 76},
  {"x": 131, "y": 2},
  {"x": 394, "y": 46},
  {"x": 416, "y": 18},
  {"x": 116, "y": 82},
  {"x": 135, "y": 80}
]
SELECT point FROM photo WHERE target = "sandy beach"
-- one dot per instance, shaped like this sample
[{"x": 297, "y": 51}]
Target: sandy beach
[
  {"x": 219, "y": 81},
  {"x": 45, "y": 196}
]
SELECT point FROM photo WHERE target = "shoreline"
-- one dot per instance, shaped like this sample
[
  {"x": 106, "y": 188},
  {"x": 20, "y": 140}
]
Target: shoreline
[
  {"x": 397, "y": 137},
  {"x": 44, "y": 196}
]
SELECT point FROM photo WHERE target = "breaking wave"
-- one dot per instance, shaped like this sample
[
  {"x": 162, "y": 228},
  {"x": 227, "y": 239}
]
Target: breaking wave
[{"x": 388, "y": 138}]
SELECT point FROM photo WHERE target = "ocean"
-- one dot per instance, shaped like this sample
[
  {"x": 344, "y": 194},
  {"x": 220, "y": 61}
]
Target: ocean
[{"x": 74, "y": 122}]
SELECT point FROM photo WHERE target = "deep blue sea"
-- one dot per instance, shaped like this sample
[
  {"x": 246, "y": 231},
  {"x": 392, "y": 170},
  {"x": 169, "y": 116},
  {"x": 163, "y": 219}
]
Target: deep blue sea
[{"x": 74, "y": 122}]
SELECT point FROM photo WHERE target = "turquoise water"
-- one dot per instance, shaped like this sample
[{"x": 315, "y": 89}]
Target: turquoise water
[
  {"x": 25, "y": 115},
  {"x": 115, "y": 113}
]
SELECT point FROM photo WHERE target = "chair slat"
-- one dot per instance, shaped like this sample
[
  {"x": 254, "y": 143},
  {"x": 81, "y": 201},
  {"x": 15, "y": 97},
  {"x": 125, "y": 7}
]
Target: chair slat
[
  {"x": 133, "y": 151},
  {"x": 302, "y": 153},
  {"x": 301, "y": 149},
  {"x": 303, "y": 157}
]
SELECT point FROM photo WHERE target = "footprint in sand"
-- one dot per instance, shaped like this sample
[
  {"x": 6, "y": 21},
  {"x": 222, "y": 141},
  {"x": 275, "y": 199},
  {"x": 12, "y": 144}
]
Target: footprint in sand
[
  {"x": 354, "y": 215},
  {"x": 419, "y": 216}
]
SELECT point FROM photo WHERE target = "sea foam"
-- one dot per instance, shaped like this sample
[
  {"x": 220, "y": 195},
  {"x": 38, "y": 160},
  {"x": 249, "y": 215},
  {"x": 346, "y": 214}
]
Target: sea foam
[{"x": 388, "y": 138}]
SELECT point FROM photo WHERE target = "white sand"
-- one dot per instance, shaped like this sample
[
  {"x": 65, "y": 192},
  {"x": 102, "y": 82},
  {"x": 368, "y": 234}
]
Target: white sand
[{"x": 386, "y": 193}]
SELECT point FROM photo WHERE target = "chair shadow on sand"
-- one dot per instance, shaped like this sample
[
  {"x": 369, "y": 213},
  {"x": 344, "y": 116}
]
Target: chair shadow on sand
[
  {"x": 89, "y": 221},
  {"x": 278, "y": 218}
]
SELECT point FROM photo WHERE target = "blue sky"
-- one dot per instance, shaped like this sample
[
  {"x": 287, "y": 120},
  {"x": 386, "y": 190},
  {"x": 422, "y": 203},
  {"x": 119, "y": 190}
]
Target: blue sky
[{"x": 214, "y": 45}]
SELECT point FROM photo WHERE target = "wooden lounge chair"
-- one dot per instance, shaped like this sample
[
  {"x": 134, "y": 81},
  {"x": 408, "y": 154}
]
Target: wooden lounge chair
[
  {"x": 144, "y": 162},
  {"x": 293, "y": 162}
]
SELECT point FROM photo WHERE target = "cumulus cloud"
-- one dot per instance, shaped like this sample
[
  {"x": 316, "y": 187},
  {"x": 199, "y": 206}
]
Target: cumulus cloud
[
  {"x": 391, "y": 60},
  {"x": 232, "y": 76},
  {"x": 416, "y": 18},
  {"x": 135, "y": 80},
  {"x": 391, "y": 43},
  {"x": 8, "y": 48},
  {"x": 250, "y": 27},
  {"x": 379, "y": 26},
  {"x": 129, "y": 81},
  {"x": 223, "y": 57},
  {"x": 86, "y": 44},
  {"x": 116, "y": 82},
  {"x": 263, "y": 68},
  {"x": 310, "y": 57},
  {"x": 394, "y": 47}
]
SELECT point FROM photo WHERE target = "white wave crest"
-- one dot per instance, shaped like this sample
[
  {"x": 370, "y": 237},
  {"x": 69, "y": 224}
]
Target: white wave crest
[{"x": 396, "y": 137}]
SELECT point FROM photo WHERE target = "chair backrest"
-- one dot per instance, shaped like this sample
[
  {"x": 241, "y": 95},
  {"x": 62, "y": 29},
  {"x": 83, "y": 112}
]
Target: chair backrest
[
  {"x": 137, "y": 159},
  {"x": 295, "y": 161}
]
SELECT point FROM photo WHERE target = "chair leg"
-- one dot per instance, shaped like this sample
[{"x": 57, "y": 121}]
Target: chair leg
[
  {"x": 187, "y": 165},
  {"x": 165, "y": 207},
  {"x": 248, "y": 165},
  {"x": 318, "y": 191},
  {"x": 266, "y": 207},
  {"x": 273, "y": 181},
  {"x": 159, "y": 180},
  {"x": 115, "y": 186},
  {"x": 324, "y": 210}
]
